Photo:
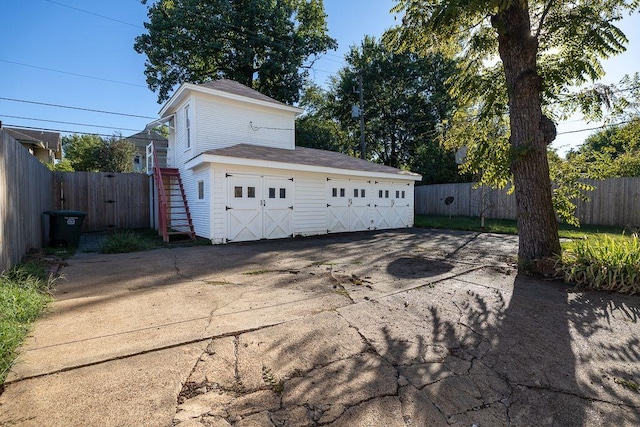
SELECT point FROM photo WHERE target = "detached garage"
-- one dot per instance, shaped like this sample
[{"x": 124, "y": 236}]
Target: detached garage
[{"x": 244, "y": 178}]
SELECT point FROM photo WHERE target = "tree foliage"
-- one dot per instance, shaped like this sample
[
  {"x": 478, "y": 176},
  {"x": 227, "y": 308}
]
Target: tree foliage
[
  {"x": 91, "y": 153},
  {"x": 406, "y": 107},
  {"x": 521, "y": 59},
  {"x": 262, "y": 44}
]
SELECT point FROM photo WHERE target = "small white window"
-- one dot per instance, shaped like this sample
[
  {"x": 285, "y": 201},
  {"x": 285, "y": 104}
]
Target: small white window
[
  {"x": 334, "y": 192},
  {"x": 397, "y": 194},
  {"x": 251, "y": 192},
  {"x": 200, "y": 190},
  {"x": 237, "y": 192},
  {"x": 403, "y": 194},
  {"x": 283, "y": 193},
  {"x": 386, "y": 194},
  {"x": 272, "y": 193},
  {"x": 342, "y": 192},
  {"x": 187, "y": 125},
  {"x": 380, "y": 194},
  {"x": 362, "y": 192},
  {"x": 355, "y": 192}
]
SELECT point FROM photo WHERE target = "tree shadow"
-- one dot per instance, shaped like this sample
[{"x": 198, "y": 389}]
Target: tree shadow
[{"x": 485, "y": 348}]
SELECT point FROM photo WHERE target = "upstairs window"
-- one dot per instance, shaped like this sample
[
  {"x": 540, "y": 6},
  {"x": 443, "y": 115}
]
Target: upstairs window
[{"x": 187, "y": 125}]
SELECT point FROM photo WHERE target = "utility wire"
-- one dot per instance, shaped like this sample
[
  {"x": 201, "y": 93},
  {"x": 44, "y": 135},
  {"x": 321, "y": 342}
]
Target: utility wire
[
  {"x": 95, "y": 14},
  {"x": 66, "y": 123},
  {"x": 77, "y": 108},
  {"x": 72, "y": 74}
]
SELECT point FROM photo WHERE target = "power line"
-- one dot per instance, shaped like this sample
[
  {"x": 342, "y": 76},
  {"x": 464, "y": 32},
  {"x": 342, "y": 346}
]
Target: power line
[
  {"x": 594, "y": 128},
  {"x": 95, "y": 14},
  {"x": 66, "y": 123},
  {"x": 77, "y": 108},
  {"x": 71, "y": 74}
]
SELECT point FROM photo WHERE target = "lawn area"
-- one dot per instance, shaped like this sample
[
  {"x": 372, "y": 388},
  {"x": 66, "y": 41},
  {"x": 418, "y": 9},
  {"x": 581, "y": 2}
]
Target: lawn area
[
  {"x": 507, "y": 226},
  {"x": 24, "y": 294}
]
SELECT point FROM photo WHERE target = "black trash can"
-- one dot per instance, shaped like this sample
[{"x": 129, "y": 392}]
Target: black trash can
[{"x": 64, "y": 227}]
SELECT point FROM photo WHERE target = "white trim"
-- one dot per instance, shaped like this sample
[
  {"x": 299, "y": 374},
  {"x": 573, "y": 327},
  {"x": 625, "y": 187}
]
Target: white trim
[
  {"x": 160, "y": 121},
  {"x": 185, "y": 87},
  {"x": 238, "y": 161}
]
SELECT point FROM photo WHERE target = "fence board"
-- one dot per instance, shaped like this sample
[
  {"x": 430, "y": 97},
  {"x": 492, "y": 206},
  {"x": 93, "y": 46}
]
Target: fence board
[
  {"x": 25, "y": 193},
  {"x": 111, "y": 200},
  {"x": 615, "y": 201}
]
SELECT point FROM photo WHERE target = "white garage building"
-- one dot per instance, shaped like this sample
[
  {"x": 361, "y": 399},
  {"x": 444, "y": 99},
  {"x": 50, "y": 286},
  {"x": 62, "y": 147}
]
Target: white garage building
[{"x": 233, "y": 152}]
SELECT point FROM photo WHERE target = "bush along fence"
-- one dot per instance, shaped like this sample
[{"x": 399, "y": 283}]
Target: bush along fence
[
  {"x": 28, "y": 189},
  {"x": 615, "y": 201}
]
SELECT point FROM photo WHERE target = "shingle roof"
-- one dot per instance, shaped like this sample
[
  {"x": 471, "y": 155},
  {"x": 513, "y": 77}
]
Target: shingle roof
[
  {"x": 50, "y": 140},
  {"x": 306, "y": 156},
  {"x": 143, "y": 138},
  {"x": 236, "y": 88}
]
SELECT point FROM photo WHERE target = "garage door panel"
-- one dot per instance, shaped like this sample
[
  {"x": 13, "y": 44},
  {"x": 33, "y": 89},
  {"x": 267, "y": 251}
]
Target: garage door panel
[{"x": 337, "y": 219}]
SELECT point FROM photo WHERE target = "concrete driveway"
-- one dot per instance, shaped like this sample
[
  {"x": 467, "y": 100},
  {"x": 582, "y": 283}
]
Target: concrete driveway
[{"x": 408, "y": 328}]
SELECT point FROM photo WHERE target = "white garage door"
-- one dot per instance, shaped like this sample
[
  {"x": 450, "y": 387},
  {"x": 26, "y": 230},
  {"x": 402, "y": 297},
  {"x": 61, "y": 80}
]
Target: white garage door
[
  {"x": 391, "y": 207},
  {"x": 259, "y": 207},
  {"x": 348, "y": 205}
]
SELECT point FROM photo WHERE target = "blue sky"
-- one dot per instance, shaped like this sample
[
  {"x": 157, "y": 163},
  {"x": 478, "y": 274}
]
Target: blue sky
[{"x": 42, "y": 37}]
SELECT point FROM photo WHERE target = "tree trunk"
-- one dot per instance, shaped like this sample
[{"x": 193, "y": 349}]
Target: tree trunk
[{"x": 537, "y": 226}]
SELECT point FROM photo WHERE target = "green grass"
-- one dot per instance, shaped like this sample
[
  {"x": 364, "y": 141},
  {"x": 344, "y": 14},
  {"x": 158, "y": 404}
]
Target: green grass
[
  {"x": 24, "y": 294},
  {"x": 125, "y": 241},
  {"x": 507, "y": 226}
]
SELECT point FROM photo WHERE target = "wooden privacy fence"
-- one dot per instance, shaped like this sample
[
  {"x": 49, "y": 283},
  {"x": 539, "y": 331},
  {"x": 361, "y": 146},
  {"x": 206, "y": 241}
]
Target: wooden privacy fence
[
  {"x": 615, "y": 201},
  {"x": 111, "y": 200},
  {"x": 25, "y": 193}
]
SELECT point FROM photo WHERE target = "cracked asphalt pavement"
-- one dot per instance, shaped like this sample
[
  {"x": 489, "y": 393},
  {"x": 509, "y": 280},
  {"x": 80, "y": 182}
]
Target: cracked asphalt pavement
[{"x": 401, "y": 328}]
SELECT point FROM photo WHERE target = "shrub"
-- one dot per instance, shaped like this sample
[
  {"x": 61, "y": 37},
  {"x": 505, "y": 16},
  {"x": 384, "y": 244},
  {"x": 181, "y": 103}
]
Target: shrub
[{"x": 606, "y": 263}]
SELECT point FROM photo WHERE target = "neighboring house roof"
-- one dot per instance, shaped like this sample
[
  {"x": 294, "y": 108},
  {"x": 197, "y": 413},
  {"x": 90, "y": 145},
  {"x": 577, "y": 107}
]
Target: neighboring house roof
[
  {"x": 144, "y": 138},
  {"x": 224, "y": 88},
  {"x": 42, "y": 139},
  {"x": 308, "y": 157}
]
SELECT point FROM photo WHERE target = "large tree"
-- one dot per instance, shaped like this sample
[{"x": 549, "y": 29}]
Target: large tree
[
  {"x": 406, "y": 107},
  {"x": 262, "y": 44},
  {"x": 544, "y": 47}
]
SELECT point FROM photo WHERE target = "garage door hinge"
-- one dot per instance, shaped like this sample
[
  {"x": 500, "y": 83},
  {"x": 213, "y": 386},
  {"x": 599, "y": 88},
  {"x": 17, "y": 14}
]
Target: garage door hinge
[
  {"x": 291, "y": 179},
  {"x": 291, "y": 207},
  {"x": 369, "y": 181},
  {"x": 328, "y": 205},
  {"x": 328, "y": 179},
  {"x": 369, "y": 205},
  {"x": 376, "y": 182},
  {"x": 375, "y": 206},
  {"x": 227, "y": 208},
  {"x": 227, "y": 175}
]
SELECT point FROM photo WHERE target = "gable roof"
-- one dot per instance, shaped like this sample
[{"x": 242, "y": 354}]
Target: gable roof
[
  {"x": 306, "y": 157},
  {"x": 41, "y": 138},
  {"x": 233, "y": 87},
  {"x": 226, "y": 89}
]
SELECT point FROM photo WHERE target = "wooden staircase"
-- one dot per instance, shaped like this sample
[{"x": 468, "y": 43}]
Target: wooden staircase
[{"x": 174, "y": 218}]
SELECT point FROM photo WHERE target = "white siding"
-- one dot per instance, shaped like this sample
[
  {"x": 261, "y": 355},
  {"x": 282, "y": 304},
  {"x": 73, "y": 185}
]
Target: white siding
[
  {"x": 310, "y": 209},
  {"x": 219, "y": 203},
  {"x": 223, "y": 124},
  {"x": 200, "y": 209}
]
